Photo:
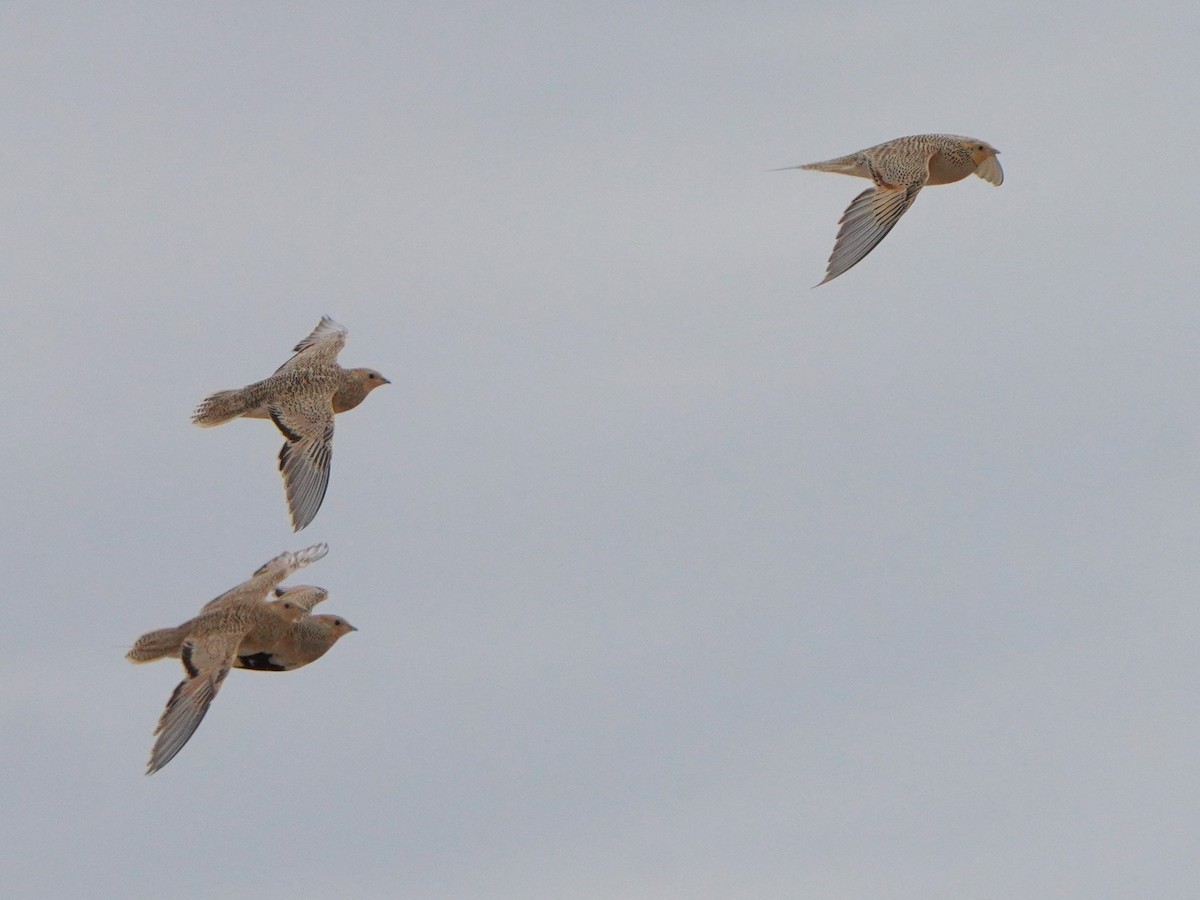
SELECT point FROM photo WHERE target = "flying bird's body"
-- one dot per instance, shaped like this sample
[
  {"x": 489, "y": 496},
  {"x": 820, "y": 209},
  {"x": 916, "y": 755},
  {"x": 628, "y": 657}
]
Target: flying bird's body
[
  {"x": 275, "y": 623},
  {"x": 307, "y": 640},
  {"x": 239, "y": 628},
  {"x": 301, "y": 398},
  {"x": 899, "y": 168}
]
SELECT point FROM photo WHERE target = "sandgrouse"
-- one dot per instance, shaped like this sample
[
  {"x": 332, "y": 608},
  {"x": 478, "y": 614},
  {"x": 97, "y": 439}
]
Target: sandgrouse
[
  {"x": 301, "y": 398},
  {"x": 290, "y": 606},
  {"x": 899, "y": 168},
  {"x": 239, "y": 628}
]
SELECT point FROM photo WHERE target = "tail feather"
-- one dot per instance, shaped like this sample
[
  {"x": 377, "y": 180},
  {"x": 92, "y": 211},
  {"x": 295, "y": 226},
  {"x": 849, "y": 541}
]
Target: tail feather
[
  {"x": 843, "y": 165},
  {"x": 222, "y": 406},
  {"x": 161, "y": 644}
]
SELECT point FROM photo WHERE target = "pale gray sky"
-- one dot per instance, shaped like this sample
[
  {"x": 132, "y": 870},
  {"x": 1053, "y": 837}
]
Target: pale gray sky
[{"x": 675, "y": 577}]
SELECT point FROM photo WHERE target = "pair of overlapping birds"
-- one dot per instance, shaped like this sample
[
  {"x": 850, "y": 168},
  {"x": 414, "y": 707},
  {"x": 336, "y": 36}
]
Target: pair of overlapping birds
[{"x": 261, "y": 625}]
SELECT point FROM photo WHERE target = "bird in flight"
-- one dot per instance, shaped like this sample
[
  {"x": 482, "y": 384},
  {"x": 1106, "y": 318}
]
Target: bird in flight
[
  {"x": 243, "y": 629},
  {"x": 899, "y": 168},
  {"x": 301, "y": 398}
]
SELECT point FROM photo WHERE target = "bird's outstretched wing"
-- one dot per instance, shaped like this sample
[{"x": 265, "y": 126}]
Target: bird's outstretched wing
[
  {"x": 267, "y": 576},
  {"x": 305, "y": 459},
  {"x": 207, "y": 658},
  {"x": 867, "y": 221},
  {"x": 322, "y": 345},
  {"x": 289, "y": 561}
]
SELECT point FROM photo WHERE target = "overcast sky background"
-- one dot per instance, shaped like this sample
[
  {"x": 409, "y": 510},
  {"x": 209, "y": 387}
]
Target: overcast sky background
[{"x": 675, "y": 578}]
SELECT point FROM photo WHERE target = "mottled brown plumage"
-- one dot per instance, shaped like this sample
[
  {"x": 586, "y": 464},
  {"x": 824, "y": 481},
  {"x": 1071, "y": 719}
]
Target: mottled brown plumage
[
  {"x": 239, "y": 628},
  {"x": 301, "y": 398},
  {"x": 290, "y": 605},
  {"x": 899, "y": 168}
]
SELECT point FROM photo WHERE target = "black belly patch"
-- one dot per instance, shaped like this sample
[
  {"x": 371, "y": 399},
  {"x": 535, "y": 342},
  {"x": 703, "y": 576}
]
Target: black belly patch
[{"x": 260, "y": 662}]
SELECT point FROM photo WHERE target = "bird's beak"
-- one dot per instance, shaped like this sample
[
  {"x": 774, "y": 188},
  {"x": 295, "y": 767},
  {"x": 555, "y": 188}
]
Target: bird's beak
[
  {"x": 352, "y": 628},
  {"x": 385, "y": 380}
]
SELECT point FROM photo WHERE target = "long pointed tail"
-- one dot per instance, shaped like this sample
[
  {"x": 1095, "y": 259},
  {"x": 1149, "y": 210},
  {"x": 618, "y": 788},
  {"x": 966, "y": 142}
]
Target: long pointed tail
[{"x": 843, "y": 165}]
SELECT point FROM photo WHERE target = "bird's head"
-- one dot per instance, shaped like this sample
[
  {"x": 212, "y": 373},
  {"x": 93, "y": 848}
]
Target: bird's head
[
  {"x": 288, "y": 611},
  {"x": 369, "y": 379},
  {"x": 301, "y": 596},
  {"x": 334, "y": 626},
  {"x": 356, "y": 384},
  {"x": 979, "y": 150},
  {"x": 987, "y": 166}
]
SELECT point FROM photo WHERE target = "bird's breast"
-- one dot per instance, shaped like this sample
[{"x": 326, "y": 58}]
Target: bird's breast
[{"x": 944, "y": 169}]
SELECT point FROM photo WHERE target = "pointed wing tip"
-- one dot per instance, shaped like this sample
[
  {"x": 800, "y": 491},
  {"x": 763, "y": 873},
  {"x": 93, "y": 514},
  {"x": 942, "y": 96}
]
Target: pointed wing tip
[
  {"x": 328, "y": 331},
  {"x": 303, "y": 509},
  {"x": 868, "y": 219},
  {"x": 299, "y": 510},
  {"x": 313, "y": 553},
  {"x": 329, "y": 323},
  {"x": 305, "y": 473}
]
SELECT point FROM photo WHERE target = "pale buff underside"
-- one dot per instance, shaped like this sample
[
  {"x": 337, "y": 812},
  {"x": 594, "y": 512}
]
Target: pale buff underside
[{"x": 900, "y": 169}]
